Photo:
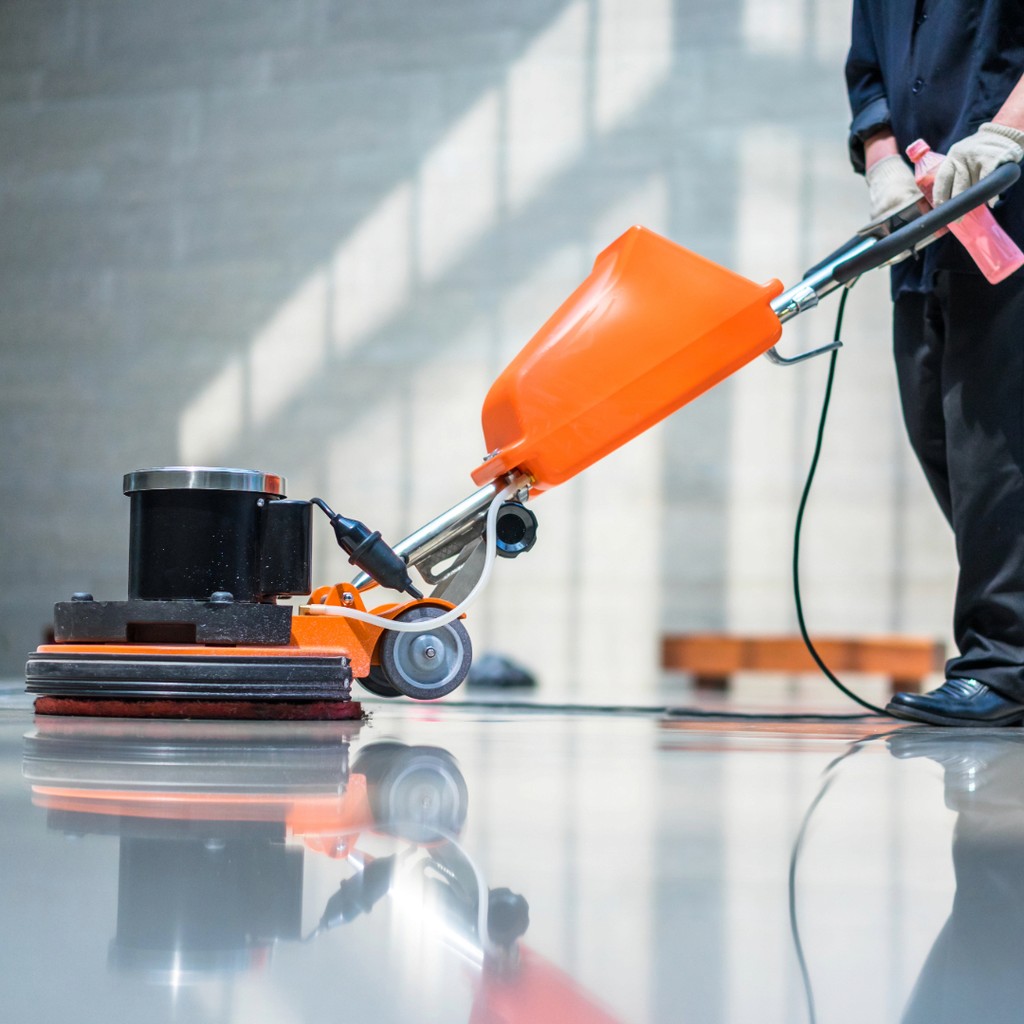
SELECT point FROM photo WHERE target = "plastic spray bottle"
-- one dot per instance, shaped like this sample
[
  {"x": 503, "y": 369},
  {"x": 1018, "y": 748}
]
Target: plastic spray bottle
[{"x": 995, "y": 252}]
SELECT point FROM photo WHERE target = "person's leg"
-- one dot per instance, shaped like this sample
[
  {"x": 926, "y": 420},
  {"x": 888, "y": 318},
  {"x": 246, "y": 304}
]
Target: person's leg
[
  {"x": 983, "y": 400},
  {"x": 982, "y": 390},
  {"x": 918, "y": 334}
]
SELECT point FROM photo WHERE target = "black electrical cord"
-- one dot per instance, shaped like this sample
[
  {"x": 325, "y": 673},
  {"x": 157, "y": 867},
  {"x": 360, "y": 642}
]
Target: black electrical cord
[
  {"x": 828, "y": 778},
  {"x": 368, "y": 551},
  {"x": 794, "y": 924},
  {"x": 808, "y": 643},
  {"x": 798, "y": 600},
  {"x": 661, "y": 710}
]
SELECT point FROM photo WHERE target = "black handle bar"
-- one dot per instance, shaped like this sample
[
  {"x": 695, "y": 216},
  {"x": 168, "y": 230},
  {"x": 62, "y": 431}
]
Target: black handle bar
[{"x": 927, "y": 224}]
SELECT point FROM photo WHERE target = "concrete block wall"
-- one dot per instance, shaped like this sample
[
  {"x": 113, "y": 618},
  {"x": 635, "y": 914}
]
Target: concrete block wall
[{"x": 304, "y": 236}]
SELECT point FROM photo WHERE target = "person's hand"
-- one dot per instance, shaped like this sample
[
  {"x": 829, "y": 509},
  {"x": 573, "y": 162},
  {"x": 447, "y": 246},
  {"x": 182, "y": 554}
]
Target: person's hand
[
  {"x": 891, "y": 188},
  {"x": 971, "y": 159}
]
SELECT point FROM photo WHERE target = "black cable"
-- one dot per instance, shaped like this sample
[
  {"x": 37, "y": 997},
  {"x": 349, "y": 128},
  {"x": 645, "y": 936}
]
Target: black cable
[
  {"x": 765, "y": 716},
  {"x": 794, "y": 924},
  {"x": 368, "y": 551},
  {"x": 828, "y": 778},
  {"x": 662, "y": 710},
  {"x": 808, "y": 643}
]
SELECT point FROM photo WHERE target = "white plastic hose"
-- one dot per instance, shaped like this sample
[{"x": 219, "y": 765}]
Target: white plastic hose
[{"x": 491, "y": 542}]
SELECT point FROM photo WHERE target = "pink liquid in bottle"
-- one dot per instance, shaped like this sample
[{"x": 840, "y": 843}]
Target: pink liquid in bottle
[{"x": 995, "y": 252}]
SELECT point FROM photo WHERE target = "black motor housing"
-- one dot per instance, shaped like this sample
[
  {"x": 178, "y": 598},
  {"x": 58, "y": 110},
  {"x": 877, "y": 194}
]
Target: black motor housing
[
  {"x": 196, "y": 532},
  {"x": 210, "y": 551},
  {"x": 199, "y": 531}
]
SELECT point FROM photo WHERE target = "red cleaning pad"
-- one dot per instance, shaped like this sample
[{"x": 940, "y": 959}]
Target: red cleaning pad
[{"x": 260, "y": 710}]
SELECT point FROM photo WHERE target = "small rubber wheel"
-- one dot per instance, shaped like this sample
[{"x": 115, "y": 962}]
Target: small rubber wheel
[
  {"x": 377, "y": 683},
  {"x": 416, "y": 793},
  {"x": 430, "y": 662}
]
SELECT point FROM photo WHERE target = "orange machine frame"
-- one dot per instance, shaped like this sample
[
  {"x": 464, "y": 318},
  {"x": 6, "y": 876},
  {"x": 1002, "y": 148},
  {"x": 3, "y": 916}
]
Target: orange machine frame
[{"x": 312, "y": 635}]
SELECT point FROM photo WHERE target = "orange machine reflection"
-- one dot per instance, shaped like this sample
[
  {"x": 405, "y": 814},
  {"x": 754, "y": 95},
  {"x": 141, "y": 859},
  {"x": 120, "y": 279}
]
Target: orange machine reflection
[{"x": 213, "y": 822}]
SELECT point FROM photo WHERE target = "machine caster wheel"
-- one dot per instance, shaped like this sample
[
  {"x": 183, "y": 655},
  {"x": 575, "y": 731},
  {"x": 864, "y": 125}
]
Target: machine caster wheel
[
  {"x": 416, "y": 793},
  {"x": 429, "y": 663},
  {"x": 377, "y": 683}
]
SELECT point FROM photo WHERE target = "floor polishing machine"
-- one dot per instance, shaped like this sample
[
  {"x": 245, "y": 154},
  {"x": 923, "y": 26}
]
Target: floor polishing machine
[{"x": 211, "y": 550}]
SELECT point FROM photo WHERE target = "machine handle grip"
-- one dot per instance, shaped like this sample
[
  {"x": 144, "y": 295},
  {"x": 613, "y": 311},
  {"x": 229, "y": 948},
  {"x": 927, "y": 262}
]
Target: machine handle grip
[
  {"x": 927, "y": 224},
  {"x": 866, "y": 252},
  {"x": 846, "y": 249}
]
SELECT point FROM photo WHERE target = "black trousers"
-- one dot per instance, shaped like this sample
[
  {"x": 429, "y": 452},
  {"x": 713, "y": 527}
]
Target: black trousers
[{"x": 960, "y": 364}]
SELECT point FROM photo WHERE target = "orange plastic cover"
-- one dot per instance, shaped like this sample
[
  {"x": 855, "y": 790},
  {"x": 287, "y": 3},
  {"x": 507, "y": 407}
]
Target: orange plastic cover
[{"x": 650, "y": 329}]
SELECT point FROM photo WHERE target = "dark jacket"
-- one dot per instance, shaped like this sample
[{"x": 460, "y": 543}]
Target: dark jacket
[{"x": 935, "y": 70}]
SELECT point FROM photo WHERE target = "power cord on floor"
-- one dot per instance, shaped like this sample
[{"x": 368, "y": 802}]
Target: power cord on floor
[
  {"x": 798, "y": 600},
  {"x": 808, "y": 643},
  {"x": 661, "y": 710}
]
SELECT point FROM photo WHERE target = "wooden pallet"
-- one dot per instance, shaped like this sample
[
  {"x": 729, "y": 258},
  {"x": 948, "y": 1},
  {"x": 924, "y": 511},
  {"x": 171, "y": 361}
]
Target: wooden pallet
[{"x": 713, "y": 657}]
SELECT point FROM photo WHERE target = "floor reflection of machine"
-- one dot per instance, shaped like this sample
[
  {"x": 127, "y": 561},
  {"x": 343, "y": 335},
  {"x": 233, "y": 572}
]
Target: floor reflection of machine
[{"x": 213, "y": 821}]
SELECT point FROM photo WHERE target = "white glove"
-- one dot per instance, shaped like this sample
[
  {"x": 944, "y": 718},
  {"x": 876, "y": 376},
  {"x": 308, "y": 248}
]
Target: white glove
[
  {"x": 971, "y": 159},
  {"x": 891, "y": 188}
]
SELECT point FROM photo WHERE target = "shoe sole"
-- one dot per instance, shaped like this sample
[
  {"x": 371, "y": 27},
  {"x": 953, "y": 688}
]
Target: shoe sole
[{"x": 916, "y": 715}]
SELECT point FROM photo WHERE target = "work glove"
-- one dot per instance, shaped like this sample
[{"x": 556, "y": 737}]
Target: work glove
[
  {"x": 971, "y": 159},
  {"x": 891, "y": 188}
]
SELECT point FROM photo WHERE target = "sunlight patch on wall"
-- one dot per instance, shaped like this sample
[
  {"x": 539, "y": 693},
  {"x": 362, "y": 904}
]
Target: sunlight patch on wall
[
  {"x": 444, "y": 407},
  {"x": 647, "y": 205},
  {"x": 364, "y": 466},
  {"x": 775, "y": 27},
  {"x": 527, "y": 304},
  {"x": 371, "y": 271},
  {"x": 831, "y": 30},
  {"x": 769, "y": 208},
  {"x": 634, "y": 54},
  {"x": 213, "y": 422},
  {"x": 498, "y": 155},
  {"x": 286, "y": 353},
  {"x": 458, "y": 188},
  {"x": 546, "y": 104},
  {"x": 759, "y": 516}
]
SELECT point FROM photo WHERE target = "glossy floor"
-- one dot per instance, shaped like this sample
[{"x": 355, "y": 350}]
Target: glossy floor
[{"x": 455, "y": 864}]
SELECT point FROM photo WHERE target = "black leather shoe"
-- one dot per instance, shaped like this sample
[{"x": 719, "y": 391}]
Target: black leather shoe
[{"x": 957, "y": 702}]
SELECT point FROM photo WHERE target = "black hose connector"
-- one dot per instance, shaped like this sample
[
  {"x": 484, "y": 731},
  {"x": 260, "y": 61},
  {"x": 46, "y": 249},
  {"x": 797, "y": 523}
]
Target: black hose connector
[
  {"x": 516, "y": 529},
  {"x": 508, "y": 916},
  {"x": 368, "y": 551}
]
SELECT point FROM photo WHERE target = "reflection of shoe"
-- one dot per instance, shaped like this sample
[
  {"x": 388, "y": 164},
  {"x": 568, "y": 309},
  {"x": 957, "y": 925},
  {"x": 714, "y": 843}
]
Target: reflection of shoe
[
  {"x": 957, "y": 702},
  {"x": 980, "y": 765},
  {"x": 953, "y": 750}
]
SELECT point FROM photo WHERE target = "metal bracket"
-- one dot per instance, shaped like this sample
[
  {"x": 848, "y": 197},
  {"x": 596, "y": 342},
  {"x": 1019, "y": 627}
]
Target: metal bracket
[
  {"x": 456, "y": 584},
  {"x": 451, "y": 533},
  {"x": 461, "y": 549},
  {"x": 773, "y": 356}
]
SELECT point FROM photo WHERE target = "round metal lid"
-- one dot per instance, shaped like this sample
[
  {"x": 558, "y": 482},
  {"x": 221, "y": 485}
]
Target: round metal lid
[{"x": 203, "y": 478}]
